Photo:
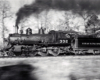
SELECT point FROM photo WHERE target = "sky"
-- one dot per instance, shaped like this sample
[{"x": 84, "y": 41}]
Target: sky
[
  {"x": 32, "y": 21},
  {"x": 16, "y": 4}
]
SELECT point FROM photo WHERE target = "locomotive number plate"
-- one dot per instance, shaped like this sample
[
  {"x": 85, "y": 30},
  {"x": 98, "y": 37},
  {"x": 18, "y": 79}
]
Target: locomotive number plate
[{"x": 63, "y": 41}]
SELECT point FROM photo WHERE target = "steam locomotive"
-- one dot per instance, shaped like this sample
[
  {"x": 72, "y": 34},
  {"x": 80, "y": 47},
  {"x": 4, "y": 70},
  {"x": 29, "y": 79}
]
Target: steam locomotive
[
  {"x": 53, "y": 43},
  {"x": 37, "y": 44}
]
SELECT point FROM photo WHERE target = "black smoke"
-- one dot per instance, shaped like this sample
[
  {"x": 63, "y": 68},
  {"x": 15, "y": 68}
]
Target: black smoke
[
  {"x": 17, "y": 72},
  {"x": 40, "y": 5}
]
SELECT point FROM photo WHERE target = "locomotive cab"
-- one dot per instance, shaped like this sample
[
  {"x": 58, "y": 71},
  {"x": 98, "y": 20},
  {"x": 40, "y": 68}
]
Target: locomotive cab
[{"x": 61, "y": 38}]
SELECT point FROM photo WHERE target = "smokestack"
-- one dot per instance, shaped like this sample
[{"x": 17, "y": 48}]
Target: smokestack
[{"x": 16, "y": 29}]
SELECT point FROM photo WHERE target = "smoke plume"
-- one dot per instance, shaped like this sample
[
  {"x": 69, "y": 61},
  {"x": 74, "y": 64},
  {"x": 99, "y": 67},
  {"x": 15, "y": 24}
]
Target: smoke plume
[{"x": 40, "y": 5}]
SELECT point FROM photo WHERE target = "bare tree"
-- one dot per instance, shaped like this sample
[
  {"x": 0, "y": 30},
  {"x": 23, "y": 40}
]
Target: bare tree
[
  {"x": 85, "y": 16},
  {"x": 93, "y": 23},
  {"x": 69, "y": 16},
  {"x": 4, "y": 13},
  {"x": 22, "y": 25},
  {"x": 45, "y": 20}
]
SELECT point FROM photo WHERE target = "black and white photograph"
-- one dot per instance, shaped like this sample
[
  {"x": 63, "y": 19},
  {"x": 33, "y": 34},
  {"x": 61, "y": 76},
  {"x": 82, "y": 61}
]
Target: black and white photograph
[{"x": 49, "y": 39}]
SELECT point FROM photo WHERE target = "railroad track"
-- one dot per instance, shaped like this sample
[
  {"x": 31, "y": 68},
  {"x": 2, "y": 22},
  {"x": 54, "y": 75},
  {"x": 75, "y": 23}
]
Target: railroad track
[{"x": 27, "y": 56}]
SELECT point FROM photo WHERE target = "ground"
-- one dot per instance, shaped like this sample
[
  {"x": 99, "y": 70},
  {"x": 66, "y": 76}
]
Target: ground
[{"x": 61, "y": 68}]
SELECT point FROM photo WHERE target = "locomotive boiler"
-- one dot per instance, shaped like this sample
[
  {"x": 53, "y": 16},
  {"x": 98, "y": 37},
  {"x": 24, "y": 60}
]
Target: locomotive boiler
[{"x": 53, "y": 43}]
